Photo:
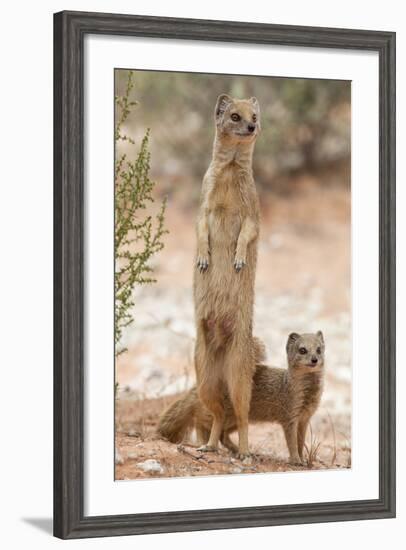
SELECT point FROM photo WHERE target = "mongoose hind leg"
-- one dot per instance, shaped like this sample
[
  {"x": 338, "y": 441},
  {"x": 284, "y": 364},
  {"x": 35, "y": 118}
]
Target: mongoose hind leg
[
  {"x": 228, "y": 444},
  {"x": 239, "y": 388},
  {"x": 216, "y": 429},
  {"x": 211, "y": 395}
]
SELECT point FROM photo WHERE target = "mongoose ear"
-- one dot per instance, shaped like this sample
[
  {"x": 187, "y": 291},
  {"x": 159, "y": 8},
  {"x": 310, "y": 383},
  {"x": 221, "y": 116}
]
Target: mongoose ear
[
  {"x": 254, "y": 101},
  {"x": 320, "y": 336},
  {"x": 255, "y": 104},
  {"x": 223, "y": 101},
  {"x": 293, "y": 336}
]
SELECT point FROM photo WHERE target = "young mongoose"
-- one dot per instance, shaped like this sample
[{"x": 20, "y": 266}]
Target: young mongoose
[
  {"x": 227, "y": 235},
  {"x": 287, "y": 396}
]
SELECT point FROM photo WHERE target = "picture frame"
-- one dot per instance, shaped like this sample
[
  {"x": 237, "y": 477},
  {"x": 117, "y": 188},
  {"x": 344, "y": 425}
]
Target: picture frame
[{"x": 70, "y": 28}]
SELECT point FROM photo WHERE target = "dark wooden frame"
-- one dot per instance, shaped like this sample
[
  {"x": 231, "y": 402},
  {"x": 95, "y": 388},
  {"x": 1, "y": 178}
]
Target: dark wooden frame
[{"x": 69, "y": 31}]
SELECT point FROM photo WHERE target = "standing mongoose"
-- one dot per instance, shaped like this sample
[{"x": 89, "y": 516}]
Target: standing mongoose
[
  {"x": 227, "y": 236},
  {"x": 287, "y": 396}
]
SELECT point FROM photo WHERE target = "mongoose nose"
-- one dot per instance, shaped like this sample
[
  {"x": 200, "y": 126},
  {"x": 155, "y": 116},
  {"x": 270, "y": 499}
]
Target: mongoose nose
[
  {"x": 251, "y": 127},
  {"x": 314, "y": 359}
]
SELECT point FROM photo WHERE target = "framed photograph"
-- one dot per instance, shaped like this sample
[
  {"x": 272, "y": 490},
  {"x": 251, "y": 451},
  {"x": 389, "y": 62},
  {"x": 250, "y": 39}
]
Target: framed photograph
[{"x": 224, "y": 349}]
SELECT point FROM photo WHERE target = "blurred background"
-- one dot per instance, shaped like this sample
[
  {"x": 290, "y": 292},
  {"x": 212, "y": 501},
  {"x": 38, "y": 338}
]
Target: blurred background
[
  {"x": 302, "y": 171},
  {"x": 305, "y": 128}
]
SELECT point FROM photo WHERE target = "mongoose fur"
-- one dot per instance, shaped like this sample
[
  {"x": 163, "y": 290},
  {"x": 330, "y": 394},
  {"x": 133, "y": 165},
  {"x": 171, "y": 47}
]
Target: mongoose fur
[
  {"x": 227, "y": 236},
  {"x": 289, "y": 397}
]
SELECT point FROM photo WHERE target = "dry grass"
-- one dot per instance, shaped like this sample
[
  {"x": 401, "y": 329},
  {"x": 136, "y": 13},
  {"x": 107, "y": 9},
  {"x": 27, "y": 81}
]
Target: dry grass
[
  {"x": 333, "y": 431},
  {"x": 312, "y": 449}
]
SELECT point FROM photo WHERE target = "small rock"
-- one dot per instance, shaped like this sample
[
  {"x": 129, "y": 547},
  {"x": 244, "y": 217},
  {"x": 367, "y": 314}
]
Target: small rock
[
  {"x": 118, "y": 459},
  {"x": 133, "y": 456},
  {"x": 236, "y": 471},
  {"x": 247, "y": 461},
  {"x": 151, "y": 465}
]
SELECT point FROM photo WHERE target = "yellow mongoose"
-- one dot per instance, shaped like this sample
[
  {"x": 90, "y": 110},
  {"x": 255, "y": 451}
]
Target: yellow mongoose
[
  {"x": 287, "y": 396},
  {"x": 227, "y": 235}
]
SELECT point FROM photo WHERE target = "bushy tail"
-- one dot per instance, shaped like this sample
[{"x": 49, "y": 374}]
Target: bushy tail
[{"x": 178, "y": 418}]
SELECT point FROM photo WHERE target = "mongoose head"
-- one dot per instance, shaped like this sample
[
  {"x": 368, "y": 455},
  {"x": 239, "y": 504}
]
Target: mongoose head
[
  {"x": 306, "y": 351},
  {"x": 237, "y": 119}
]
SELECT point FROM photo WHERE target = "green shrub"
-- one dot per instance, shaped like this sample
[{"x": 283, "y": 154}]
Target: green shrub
[{"x": 137, "y": 236}]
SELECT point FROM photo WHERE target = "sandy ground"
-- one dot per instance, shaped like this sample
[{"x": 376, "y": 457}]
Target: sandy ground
[
  {"x": 137, "y": 443},
  {"x": 303, "y": 285}
]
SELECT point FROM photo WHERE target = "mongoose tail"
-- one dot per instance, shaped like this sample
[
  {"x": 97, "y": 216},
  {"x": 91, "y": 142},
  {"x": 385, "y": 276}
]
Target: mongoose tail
[{"x": 176, "y": 420}]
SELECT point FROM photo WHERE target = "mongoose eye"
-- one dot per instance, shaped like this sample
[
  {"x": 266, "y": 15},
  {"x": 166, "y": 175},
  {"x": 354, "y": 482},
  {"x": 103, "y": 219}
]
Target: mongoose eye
[
  {"x": 235, "y": 117},
  {"x": 254, "y": 118},
  {"x": 302, "y": 351},
  {"x": 318, "y": 350}
]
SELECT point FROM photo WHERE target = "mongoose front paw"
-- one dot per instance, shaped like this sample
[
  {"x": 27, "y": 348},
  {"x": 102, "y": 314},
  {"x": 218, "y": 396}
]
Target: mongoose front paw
[
  {"x": 202, "y": 263},
  {"x": 239, "y": 264}
]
